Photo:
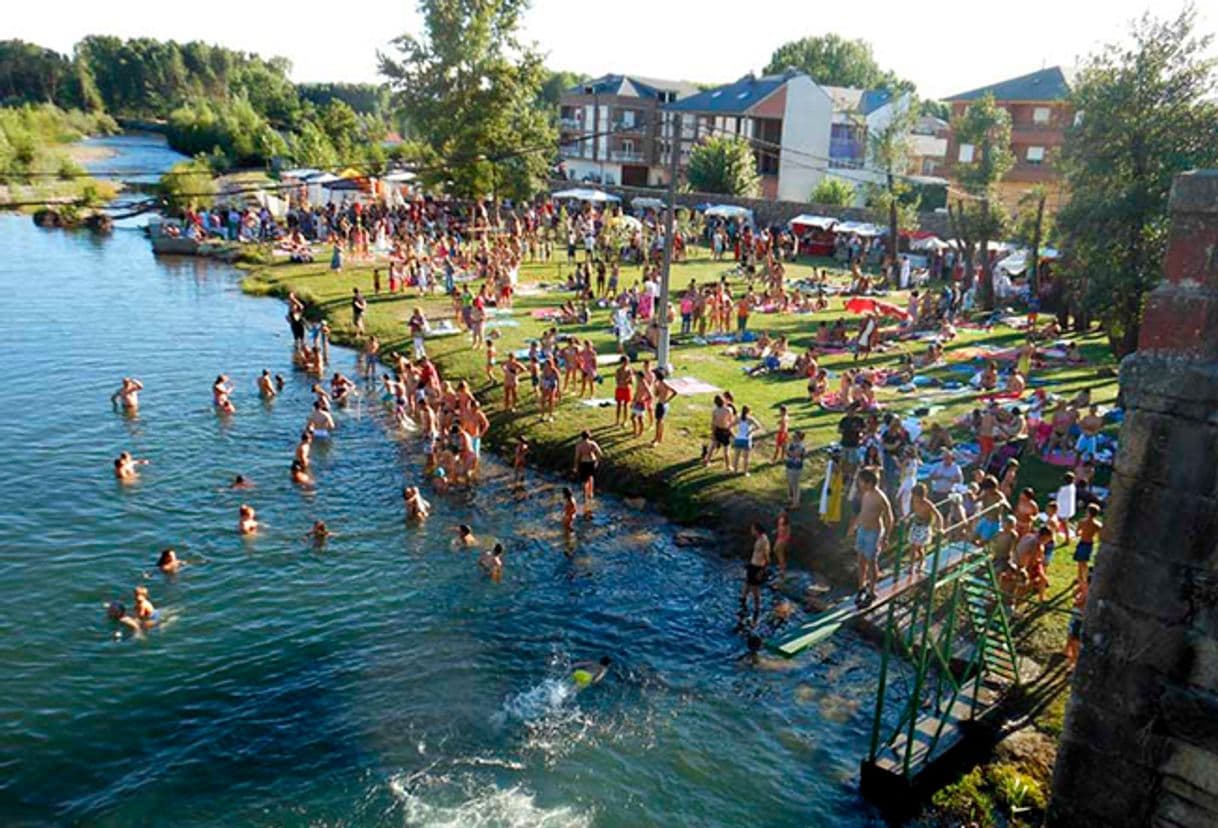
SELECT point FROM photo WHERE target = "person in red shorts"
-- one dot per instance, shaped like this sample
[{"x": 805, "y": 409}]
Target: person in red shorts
[{"x": 621, "y": 392}]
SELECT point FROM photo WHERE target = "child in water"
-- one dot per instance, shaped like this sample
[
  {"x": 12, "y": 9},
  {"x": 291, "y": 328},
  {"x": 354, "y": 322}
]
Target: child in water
[
  {"x": 522, "y": 450},
  {"x": 569, "y": 509},
  {"x": 416, "y": 507}
]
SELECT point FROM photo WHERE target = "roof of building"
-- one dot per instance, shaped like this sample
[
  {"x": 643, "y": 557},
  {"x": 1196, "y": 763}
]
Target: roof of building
[
  {"x": 736, "y": 97},
  {"x": 928, "y": 125},
  {"x": 632, "y": 86},
  {"x": 1045, "y": 85},
  {"x": 859, "y": 101}
]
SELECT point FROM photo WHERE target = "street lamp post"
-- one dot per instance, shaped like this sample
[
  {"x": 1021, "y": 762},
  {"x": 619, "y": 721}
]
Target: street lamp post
[{"x": 674, "y": 149}]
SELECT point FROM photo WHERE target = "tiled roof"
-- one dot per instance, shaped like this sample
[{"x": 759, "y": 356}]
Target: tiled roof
[
  {"x": 733, "y": 98},
  {"x": 1046, "y": 85},
  {"x": 632, "y": 86},
  {"x": 857, "y": 101}
]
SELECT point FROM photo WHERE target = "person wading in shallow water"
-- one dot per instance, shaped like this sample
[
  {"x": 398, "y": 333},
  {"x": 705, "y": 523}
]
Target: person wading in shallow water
[
  {"x": 754, "y": 573},
  {"x": 587, "y": 457}
]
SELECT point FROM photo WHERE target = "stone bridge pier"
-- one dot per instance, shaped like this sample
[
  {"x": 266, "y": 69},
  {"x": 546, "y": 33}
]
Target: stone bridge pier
[{"x": 1140, "y": 745}]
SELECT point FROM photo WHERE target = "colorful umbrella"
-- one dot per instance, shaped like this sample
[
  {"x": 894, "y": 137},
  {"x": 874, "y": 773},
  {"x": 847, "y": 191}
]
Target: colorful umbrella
[{"x": 861, "y": 305}]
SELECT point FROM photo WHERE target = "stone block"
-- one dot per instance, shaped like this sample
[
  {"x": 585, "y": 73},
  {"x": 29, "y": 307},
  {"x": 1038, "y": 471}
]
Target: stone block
[
  {"x": 1175, "y": 811},
  {"x": 1196, "y": 767},
  {"x": 1159, "y": 449},
  {"x": 1098, "y": 791},
  {"x": 1172, "y": 525},
  {"x": 1190, "y": 714}
]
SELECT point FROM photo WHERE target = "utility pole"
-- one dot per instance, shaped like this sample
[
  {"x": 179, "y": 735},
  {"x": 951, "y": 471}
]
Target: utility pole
[{"x": 674, "y": 153}]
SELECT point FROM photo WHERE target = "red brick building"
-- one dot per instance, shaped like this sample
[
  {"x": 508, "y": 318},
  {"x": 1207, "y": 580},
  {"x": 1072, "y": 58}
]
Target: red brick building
[{"x": 1040, "y": 114}]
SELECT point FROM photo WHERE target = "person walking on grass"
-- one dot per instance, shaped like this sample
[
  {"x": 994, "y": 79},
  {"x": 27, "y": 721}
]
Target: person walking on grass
[{"x": 359, "y": 306}]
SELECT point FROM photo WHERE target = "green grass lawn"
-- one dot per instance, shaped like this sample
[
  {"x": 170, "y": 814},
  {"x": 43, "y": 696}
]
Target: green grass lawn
[{"x": 670, "y": 475}]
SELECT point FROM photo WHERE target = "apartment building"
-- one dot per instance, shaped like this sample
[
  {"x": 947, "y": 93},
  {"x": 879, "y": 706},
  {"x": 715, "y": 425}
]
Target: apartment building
[
  {"x": 609, "y": 129},
  {"x": 800, "y": 131},
  {"x": 1040, "y": 115}
]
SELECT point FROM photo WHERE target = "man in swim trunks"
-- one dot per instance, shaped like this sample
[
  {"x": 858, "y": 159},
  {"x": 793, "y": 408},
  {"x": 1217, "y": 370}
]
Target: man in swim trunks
[
  {"x": 754, "y": 573},
  {"x": 721, "y": 433},
  {"x": 869, "y": 527},
  {"x": 587, "y": 456},
  {"x": 663, "y": 395},
  {"x": 321, "y": 421},
  {"x": 621, "y": 391},
  {"x": 266, "y": 386},
  {"x": 128, "y": 396}
]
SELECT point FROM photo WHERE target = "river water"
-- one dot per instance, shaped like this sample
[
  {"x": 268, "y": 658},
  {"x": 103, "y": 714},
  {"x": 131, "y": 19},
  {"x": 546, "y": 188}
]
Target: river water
[{"x": 378, "y": 680}]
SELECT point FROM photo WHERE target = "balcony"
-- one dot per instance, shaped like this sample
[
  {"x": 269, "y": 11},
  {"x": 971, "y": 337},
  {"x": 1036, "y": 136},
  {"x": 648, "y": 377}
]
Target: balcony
[
  {"x": 620, "y": 125},
  {"x": 627, "y": 156},
  {"x": 576, "y": 124},
  {"x": 573, "y": 151}
]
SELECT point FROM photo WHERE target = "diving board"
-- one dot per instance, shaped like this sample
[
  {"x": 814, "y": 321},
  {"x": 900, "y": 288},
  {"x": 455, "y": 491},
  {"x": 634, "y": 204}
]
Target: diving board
[{"x": 825, "y": 624}]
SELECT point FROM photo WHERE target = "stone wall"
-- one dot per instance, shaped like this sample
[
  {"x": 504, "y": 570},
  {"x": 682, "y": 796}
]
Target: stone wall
[
  {"x": 768, "y": 213},
  {"x": 1140, "y": 744}
]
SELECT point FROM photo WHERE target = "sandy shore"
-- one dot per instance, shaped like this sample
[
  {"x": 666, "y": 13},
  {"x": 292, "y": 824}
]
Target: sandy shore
[{"x": 82, "y": 153}]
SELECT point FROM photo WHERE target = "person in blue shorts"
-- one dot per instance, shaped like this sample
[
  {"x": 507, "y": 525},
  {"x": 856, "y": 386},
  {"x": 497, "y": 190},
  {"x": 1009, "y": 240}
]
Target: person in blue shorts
[{"x": 869, "y": 527}]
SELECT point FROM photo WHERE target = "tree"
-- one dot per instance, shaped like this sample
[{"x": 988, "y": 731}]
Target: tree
[
  {"x": 189, "y": 184},
  {"x": 469, "y": 88},
  {"x": 1032, "y": 227},
  {"x": 935, "y": 109},
  {"x": 723, "y": 164},
  {"x": 555, "y": 83},
  {"x": 833, "y": 192},
  {"x": 985, "y": 127},
  {"x": 889, "y": 149},
  {"x": 1148, "y": 113},
  {"x": 833, "y": 60}
]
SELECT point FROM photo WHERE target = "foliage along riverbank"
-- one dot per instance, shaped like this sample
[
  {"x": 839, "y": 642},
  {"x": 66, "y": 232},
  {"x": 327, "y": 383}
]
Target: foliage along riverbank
[{"x": 37, "y": 164}]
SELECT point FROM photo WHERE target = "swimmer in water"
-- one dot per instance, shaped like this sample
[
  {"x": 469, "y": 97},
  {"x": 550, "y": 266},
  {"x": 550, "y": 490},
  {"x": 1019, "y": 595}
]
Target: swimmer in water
[
  {"x": 117, "y": 612},
  {"x": 169, "y": 562},
  {"x": 126, "y": 467},
  {"x": 145, "y": 612},
  {"x": 569, "y": 510},
  {"x": 239, "y": 482},
  {"x": 321, "y": 420},
  {"x": 128, "y": 395},
  {"x": 320, "y": 532},
  {"x": 300, "y": 475},
  {"x": 221, "y": 390},
  {"x": 266, "y": 386},
  {"x": 465, "y": 536},
  {"x": 587, "y": 673},
  {"x": 304, "y": 448},
  {"x": 280, "y": 382},
  {"x": 416, "y": 507},
  {"x": 491, "y": 562},
  {"x": 247, "y": 520}
]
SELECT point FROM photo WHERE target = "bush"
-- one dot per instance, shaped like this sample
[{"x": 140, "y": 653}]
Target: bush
[
  {"x": 833, "y": 192},
  {"x": 1016, "y": 792},
  {"x": 189, "y": 184},
  {"x": 234, "y": 128},
  {"x": 966, "y": 800}
]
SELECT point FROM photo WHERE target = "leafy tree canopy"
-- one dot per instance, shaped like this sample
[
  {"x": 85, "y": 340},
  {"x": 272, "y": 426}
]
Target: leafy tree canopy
[
  {"x": 723, "y": 164},
  {"x": 833, "y": 192},
  {"x": 469, "y": 89},
  {"x": 835, "y": 61},
  {"x": 1148, "y": 112}
]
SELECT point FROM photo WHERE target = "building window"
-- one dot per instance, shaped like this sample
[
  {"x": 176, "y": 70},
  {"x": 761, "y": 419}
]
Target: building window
[
  {"x": 1040, "y": 115},
  {"x": 628, "y": 147},
  {"x": 966, "y": 153},
  {"x": 1036, "y": 155}
]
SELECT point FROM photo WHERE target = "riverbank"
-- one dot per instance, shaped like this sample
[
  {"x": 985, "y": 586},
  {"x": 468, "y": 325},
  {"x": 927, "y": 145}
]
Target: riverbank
[
  {"x": 47, "y": 170},
  {"x": 671, "y": 476}
]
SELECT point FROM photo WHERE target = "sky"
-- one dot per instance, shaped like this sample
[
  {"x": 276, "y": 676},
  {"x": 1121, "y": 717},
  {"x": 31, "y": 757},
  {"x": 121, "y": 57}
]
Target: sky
[{"x": 943, "y": 46}]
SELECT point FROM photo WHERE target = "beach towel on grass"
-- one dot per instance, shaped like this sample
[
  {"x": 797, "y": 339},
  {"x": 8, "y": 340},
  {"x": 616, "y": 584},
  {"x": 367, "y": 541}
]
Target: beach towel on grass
[
  {"x": 691, "y": 385},
  {"x": 597, "y": 402},
  {"x": 544, "y": 314},
  {"x": 443, "y": 328}
]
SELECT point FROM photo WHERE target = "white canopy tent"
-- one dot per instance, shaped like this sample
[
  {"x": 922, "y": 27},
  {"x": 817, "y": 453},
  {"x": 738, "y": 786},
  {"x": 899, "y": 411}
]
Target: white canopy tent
[
  {"x": 584, "y": 194},
  {"x": 809, "y": 220},
  {"x": 929, "y": 243},
  {"x": 859, "y": 228},
  {"x": 647, "y": 203},
  {"x": 730, "y": 212}
]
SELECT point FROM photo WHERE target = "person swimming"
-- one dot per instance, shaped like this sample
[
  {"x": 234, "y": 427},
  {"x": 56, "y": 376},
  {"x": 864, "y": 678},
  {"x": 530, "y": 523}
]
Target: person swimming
[
  {"x": 247, "y": 520},
  {"x": 169, "y": 562},
  {"x": 116, "y": 611},
  {"x": 126, "y": 467},
  {"x": 128, "y": 395},
  {"x": 491, "y": 562},
  {"x": 300, "y": 475},
  {"x": 417, "y": 508},
  {"x": 587, "y": 673},
  {"x": 266, "y": 386},
  {"x": 320, "y": 532},
  {"x": 465, "y": 536},
  {"x": 147, "y": 614},
  {"x": 239, "y": 482}
]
